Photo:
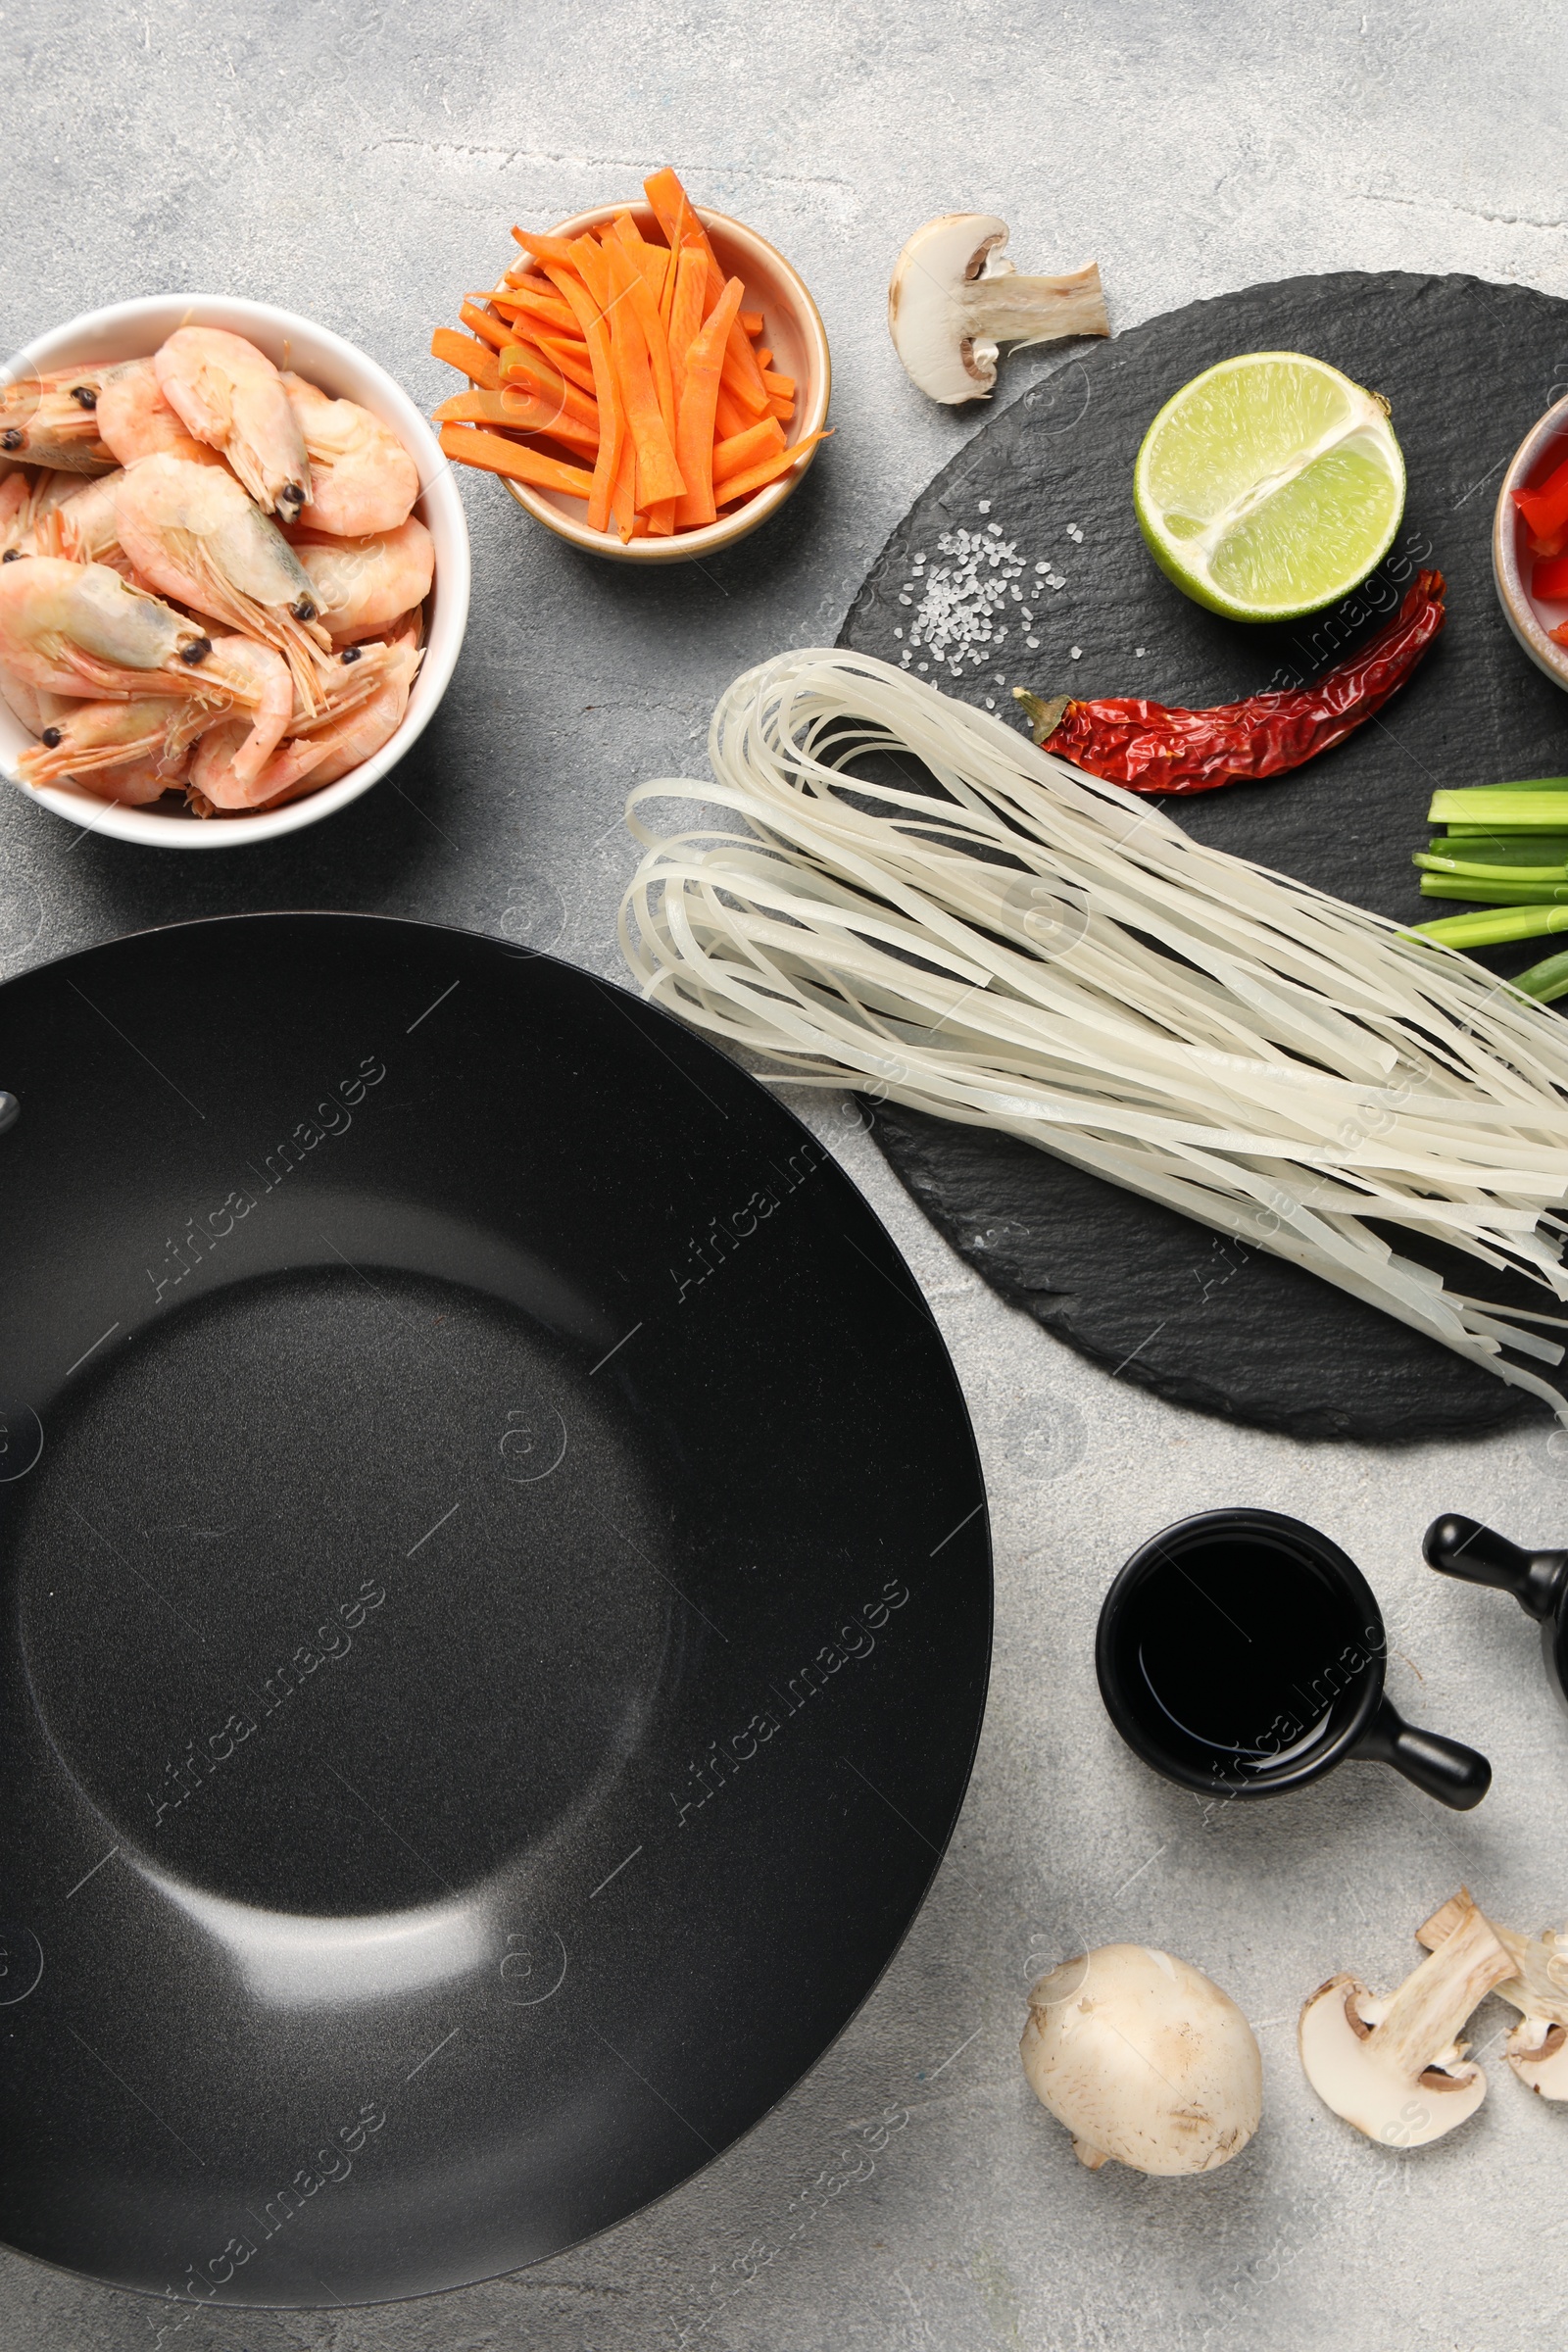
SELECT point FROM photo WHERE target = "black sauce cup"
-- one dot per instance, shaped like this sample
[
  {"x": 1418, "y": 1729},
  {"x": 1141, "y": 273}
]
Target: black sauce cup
[{"x": 1240, "y": 1653}]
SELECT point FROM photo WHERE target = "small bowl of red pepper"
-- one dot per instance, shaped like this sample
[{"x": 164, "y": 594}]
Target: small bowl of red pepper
[{"x": 1529, "y": 544}]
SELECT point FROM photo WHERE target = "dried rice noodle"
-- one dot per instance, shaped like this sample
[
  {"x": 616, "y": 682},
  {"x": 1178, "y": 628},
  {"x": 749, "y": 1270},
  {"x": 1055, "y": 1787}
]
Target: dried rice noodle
[{"x": 1051, "y": 955}]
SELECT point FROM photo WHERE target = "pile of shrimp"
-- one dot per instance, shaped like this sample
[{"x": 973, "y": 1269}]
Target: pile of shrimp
[{"x": 212, "y": 579}]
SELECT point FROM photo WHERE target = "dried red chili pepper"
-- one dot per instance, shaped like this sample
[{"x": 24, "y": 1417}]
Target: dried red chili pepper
[{"x": 1151, "y": 748}]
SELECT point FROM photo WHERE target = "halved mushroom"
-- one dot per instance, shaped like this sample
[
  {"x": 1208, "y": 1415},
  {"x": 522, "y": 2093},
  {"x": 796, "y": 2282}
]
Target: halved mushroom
[
  {"x": 953, "y": 298},
  {"x": 1538, "y": 2048},
  {"x": 1393, "y": 2067}
]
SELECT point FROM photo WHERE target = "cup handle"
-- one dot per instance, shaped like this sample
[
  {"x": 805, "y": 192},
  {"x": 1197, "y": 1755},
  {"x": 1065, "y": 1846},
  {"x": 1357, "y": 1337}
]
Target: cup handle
[
  {"x": 1465, "y": 1549},
  {"x": 1456, "y": 1776}
]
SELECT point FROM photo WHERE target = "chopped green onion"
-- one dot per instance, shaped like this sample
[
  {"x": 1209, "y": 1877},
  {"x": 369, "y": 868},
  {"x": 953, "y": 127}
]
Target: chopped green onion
[
  {"x": 1546, "y": 982},
  {"x": 1491, "y": 847},
  {"x": 1523, "y": 834},
  {"x": 1493, "y": 927},
  {"x": 1495, "y": 890},
  {"x": 1519, "y": 807},
  {"x": 1521, "y": 867},
  {"x": 1481, "y": 791}
]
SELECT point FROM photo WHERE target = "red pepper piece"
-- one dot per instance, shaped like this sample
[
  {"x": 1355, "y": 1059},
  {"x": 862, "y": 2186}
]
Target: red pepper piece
[
  {"x": 1151, "y": 748},
  {"x": 1545, "y": 511},
  {"x": 1549, "y": 579}
]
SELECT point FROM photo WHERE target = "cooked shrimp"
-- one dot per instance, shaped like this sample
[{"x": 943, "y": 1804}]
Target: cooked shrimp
[
  {"x": 137, "y": 785},
  {"x": 230, "y": 396},
  {"x": 16, "y": 493},
  {"x": 361, "y": 477},
  {"x": 26, "y": 703},
  {"x": 364, "y": 585},
  {"x": 41, "y": 494},
  {"x": 85, "y": 528},
  {"x": 234, "y": 752},
  {"x": 135, "y": 420},
  {"x": 345, "y": 684},
  {"x": 330, "y": 752},
  {"x": 193, "y": 534},
  {"x": 81, "y": 629},
  {"x": 211, "y": 782},
  {"x": 50, "y": 420},
  {"x": 149, "y": 733},
  {"x": 269, "y": 714}
]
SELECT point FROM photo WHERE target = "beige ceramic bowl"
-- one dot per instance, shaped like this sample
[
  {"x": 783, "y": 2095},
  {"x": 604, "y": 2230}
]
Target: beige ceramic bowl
[
  {"x": 1543, "y": 447},
  {"x": 796, "y": 337}
]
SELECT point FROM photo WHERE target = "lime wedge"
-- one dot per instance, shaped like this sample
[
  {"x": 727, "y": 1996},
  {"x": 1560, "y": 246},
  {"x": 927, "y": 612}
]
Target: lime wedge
[{"x": 1269, "y": 486}]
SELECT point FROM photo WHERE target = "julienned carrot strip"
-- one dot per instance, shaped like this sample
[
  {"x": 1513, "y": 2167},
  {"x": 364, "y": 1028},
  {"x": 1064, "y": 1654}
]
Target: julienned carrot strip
[
  {"x": 781, "y": 385},
  {"x": 783, "y": 409},
  {"x": 746, "y": 389},
  {"x": 582, "y": 299},
  {"x": 683, "y": 228},
  {"x": 659, "y": 474},
  {"x": 476, "y": 361},
  {"x": 662, "y": 517},
  {"x": 652, "y": 260},
  {"x": 589, "y": 258},
  {"x": 623, "y": 503},
  {"x": 471, "y": 446},
  {"x": 627, "y": 281},
  {"x": 741, "y": 449},
  {"x": 615, "y": 440},
  {"x": 525, "y": 365},
  {"x": 764, "y": 359},
  {"x": 667, "y": 301},
  {"x": 517, "y": 411},
  {"x": 544, "y": 249},
  {"x": 569, "y": 359},
  {"x": 729, "y": 417},
  {"x": 566, "y": 274},
  {"x": 470, "y": 408},
  {"x": 524, "y": 302},
  {"x": 686, "y": 313},
  {"x": 751, "y": 320},
  {"x": 494, "y": 332},
  {"x": 697, "y": 400},
  {"x": 673, "y": 209},
  {"x": 741, "y": 485}
]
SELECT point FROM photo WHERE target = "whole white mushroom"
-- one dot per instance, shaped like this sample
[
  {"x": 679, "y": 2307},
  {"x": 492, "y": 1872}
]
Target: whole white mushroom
[{"x": 1145, "y": 2060}]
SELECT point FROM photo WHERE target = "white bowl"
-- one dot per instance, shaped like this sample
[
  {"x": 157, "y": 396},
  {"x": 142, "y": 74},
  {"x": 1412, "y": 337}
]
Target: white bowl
[
  {"x": 131, "y": 330},
  {"x": 1541, "y": 450}
]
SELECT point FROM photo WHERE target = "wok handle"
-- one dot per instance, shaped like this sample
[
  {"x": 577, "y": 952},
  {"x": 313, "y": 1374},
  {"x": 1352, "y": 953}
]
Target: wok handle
[
  {"x": 1455, "y": 1775},
  {"x": 1466, "y": 1548}
]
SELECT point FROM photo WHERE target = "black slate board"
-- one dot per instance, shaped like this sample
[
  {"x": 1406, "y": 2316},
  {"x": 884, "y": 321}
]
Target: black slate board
[{"x": 1468, "y": 367}]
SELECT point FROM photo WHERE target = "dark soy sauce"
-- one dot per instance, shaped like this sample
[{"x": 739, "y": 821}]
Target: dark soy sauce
[{"x": 1238, "y": 1646}]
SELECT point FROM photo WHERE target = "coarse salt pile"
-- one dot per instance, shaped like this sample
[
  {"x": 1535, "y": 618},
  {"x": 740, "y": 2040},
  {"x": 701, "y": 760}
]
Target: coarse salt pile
[{"x": 967, "y": 605}]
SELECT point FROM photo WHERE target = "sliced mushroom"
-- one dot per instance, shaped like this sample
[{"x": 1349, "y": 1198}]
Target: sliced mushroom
[
  {"x": 1393, "y": 2067},
  {"x": 1538, "y": 2048},
  {"x": 955, "y": 297}
]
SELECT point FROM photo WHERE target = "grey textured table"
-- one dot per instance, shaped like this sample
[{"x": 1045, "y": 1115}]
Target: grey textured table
[{"x": 363, "y": 162}]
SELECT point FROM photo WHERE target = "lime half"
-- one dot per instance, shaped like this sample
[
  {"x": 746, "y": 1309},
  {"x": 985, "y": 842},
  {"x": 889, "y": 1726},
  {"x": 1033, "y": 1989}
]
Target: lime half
[{"x": 1269, "y": 486}]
